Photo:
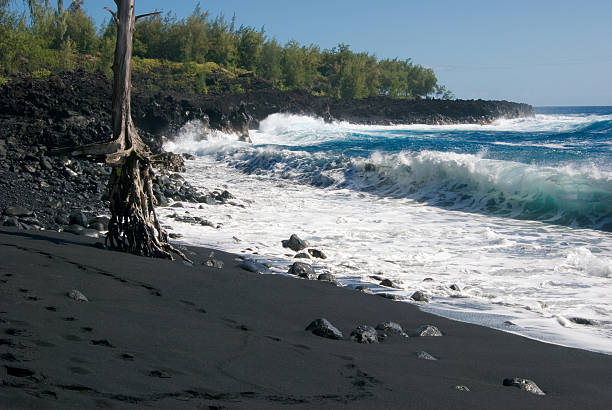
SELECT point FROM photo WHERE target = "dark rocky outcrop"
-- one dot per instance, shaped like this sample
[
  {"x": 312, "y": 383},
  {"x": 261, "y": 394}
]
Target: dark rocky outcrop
[
  {"x": 73, "y": 108},
  {"x": 524, "y": 384},
  {"x": 322, "y": 327}
]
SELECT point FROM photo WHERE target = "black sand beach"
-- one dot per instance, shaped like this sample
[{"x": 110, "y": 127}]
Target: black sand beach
[{"x": 162, "y": 334}]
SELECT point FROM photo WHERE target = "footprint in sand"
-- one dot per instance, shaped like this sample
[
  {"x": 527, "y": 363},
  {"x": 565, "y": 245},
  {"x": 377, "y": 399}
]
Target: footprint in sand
[
  {"x": 127, "y": 356},
  {"x": 18, "y": 332},
  {"x": 102, "y": 342},
  {"x": 72, "y": 338},
  {"x": 43, "y": 343},
  {"x": 18, "y": 371},
  {"x": 160, "y": 373},
  {"x": 32, "y": 298}
]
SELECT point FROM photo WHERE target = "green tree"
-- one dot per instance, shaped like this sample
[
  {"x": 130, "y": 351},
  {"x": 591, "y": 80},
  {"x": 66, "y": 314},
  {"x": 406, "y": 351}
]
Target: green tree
[
  {"x": 270, "y": 66},
  {"x": 222, "y": 45},
  {"x": 249, "y": 47},
  {"x": 293, "y": 65},
  {"x": 80, "y": 28}
]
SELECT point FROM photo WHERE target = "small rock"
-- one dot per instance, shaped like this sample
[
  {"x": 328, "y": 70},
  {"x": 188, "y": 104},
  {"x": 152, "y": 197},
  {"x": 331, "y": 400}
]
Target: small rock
[
  {"x": 419, "y": 296},
  {"x": 99, "y": 223},
  {"x": 303, "y": 270},
  {"x": 61, "y": 219},
  {"x": 328, "y": 277},
  {"x": 252, "y": 266},
  {"x": 18, "y": 211},
  {"x": 69, "y": 173},
  {"x": 391, "y": 328},
  {"x": 364, "y": 289},
  {"x": 322, "y": 327},
  {"x": 90, "y": 233},
  {"x": 427, "y": 330},
  {"x": 524, "y": 384},
  {"x": 78, "y": 218},
  {"x": 364, "y": 334},
  {"x": 302, "y": 255},
  {"x": 388, "y": 283},
  {"x": 294, "y": 243},
  {"x": 428, "y": 280},
  {"x": 424, "y": 355},
  {"x": 10, "y": 221},
  {"x": 226, "y": 195},
  {"x": 77, "y": 295},
  {"x": 391, "y": 296},
  {"x": 455, "y": 287},
  {"x": 45, "y": 163},
  {"x": 214, "y": 263},
  {"x": 315, "y": 253},
  {"x": 461, "y": 387},
  {"x": 582, "y": 321},
  {"x": 177, "y": 205},
  {"x": 75, "y": 229},
  {"x": 376, "y": 277}
]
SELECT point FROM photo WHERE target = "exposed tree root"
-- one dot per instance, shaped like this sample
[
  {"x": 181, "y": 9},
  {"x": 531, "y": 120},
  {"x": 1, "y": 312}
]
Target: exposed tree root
[{"x": 134, "y": 226}]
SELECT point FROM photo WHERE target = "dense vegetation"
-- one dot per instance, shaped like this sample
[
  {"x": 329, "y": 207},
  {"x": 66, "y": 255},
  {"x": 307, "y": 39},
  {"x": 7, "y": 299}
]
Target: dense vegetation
[{"x": 199, "y": 53}]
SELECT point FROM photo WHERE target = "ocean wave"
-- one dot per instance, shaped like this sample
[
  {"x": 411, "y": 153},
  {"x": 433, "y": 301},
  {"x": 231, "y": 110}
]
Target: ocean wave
[
  {"x": 439, "y": 168},
  {"x": 563, "y": 195}
]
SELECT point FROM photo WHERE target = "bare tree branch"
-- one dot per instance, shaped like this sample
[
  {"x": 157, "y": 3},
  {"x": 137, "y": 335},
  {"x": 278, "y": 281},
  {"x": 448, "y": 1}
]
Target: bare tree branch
[
  {"x": 155, "y": 13},
  {"x": 114, "y": 15}
]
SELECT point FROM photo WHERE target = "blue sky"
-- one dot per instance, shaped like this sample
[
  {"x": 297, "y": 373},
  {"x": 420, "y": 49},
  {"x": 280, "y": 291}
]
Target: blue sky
[{"x": 540, "y": 52}]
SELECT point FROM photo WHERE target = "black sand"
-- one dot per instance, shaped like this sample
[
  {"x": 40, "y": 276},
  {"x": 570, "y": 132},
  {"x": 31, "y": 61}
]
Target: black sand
[{"x": 164, "y": 335}]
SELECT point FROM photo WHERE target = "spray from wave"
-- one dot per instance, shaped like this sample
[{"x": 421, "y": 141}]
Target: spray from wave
[{"x": 374, "y": 159}]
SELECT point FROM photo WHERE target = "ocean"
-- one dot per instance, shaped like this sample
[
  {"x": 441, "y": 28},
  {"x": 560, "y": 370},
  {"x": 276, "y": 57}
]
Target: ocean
[{"x": 517, "y": 214}]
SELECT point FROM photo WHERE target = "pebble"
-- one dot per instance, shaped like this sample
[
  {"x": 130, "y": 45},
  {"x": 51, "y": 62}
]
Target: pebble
[{"x": 77, "y": 295}]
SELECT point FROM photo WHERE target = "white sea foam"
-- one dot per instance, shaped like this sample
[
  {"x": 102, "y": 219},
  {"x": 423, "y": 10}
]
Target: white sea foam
[
  {"x": 536, "y": 275},
  {"x": 291, "y": 129}
]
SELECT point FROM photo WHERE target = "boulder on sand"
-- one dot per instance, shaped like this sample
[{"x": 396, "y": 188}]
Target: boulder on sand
[{"x": 294, "y": 243}]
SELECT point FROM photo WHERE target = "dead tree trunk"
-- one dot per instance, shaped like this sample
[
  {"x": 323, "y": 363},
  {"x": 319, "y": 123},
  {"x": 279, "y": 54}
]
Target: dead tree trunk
[{"x": 133, "y": 225}]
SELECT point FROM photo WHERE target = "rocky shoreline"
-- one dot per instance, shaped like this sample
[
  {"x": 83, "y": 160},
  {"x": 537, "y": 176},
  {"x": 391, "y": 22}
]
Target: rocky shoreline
[
  {"x": 73, "y": 108},
  {"x": 40, "y": 116}
]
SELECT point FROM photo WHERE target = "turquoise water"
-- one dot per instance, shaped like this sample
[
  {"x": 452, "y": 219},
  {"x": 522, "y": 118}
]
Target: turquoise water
[{"x": 556, "y": 167}]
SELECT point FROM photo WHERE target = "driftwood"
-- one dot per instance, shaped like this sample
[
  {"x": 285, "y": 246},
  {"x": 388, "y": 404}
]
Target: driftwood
[{"x": 133, "y": 225}]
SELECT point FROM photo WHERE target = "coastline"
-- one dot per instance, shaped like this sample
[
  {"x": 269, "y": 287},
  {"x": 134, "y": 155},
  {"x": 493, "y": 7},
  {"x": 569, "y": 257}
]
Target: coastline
[{"x": 202, "y": 336}]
